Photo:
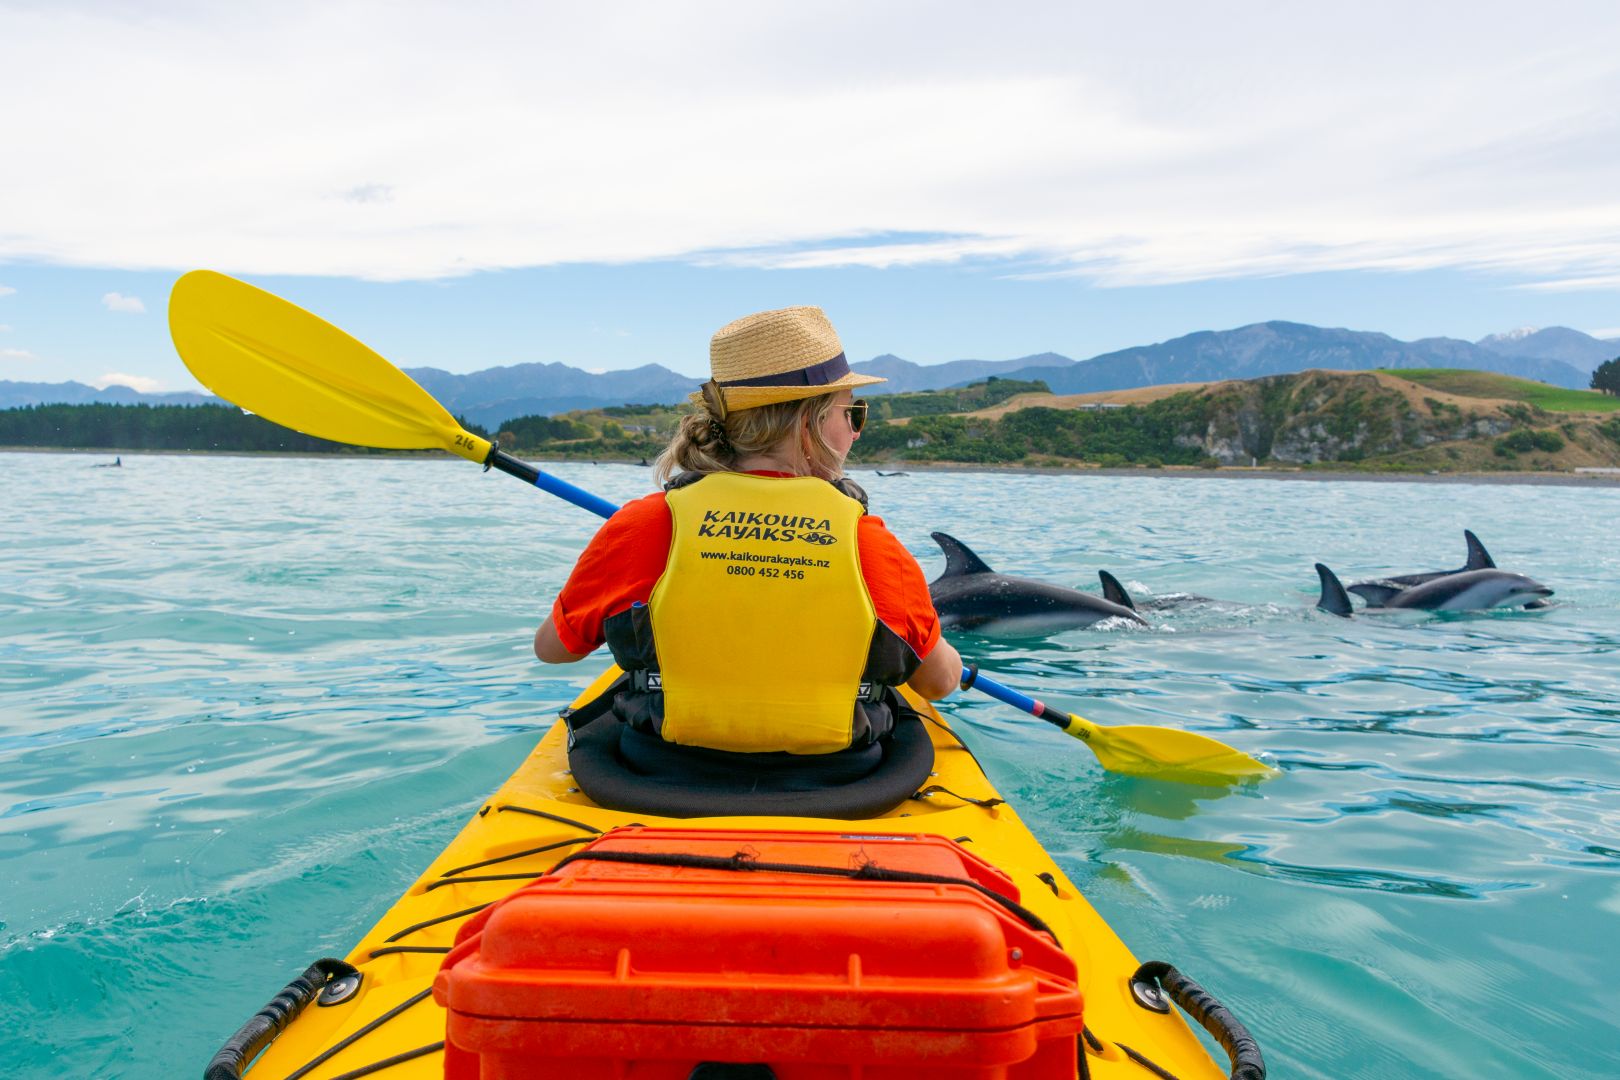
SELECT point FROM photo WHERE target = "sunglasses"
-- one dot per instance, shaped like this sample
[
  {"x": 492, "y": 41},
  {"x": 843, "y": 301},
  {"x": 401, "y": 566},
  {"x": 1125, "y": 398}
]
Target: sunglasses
[{"x": 856, "y": 411}]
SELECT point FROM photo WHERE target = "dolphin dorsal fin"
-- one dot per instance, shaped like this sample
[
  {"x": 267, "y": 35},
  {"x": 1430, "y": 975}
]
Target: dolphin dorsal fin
[
  {"x": 1334, "y": 601},
  {"x": 1113, "y": 591},
  {"x": 1478, "y": 557},
  {"x": 959, "y": 559},
  {"x": 1376, "y": 593}
]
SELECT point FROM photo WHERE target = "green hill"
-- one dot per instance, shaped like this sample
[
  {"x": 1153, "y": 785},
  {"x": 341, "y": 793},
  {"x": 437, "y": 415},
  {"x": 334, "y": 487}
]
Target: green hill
[{"x": 1488, "y": 384}]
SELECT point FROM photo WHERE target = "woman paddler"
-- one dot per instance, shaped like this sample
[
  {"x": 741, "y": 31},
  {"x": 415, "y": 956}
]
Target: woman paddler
[{"x": 755, "y": 604}]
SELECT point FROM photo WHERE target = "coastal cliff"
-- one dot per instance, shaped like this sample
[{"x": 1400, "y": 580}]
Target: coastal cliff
[
  {"x": 1374, "y": 419},
  {"x": 1318, "y": 416}
]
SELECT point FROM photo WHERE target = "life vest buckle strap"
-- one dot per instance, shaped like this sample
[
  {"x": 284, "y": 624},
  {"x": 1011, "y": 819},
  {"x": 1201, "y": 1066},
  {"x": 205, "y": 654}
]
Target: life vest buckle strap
[{"x": 588, "y": 712}]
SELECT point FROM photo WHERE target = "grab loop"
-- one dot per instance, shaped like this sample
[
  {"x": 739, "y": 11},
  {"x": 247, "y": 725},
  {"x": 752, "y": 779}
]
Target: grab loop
[
  {"x": 1241, "y": 1048},
  {"x": 273, "y": 1019}
]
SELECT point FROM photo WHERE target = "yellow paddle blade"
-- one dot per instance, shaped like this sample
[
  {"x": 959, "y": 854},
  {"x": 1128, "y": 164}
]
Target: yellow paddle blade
[
  {"x": 1166, "y": 753},
  {"x": 280, "y": 362}
]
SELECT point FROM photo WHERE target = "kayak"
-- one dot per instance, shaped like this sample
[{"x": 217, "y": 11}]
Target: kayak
[
  {"x": 625, "y": 909},
  {"x": 558, "y": 937}
]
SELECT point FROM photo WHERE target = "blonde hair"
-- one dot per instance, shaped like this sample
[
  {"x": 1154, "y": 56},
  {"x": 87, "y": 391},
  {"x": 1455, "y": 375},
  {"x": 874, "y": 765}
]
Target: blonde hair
[{"x": 704, "y": 444}]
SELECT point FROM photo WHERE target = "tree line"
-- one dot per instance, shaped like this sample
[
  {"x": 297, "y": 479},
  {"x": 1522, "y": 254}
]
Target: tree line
[
  {"x": 102, "y": 426},
  {"x": 1606, "y": 379},
  {"x": 979, "y": 395},
  {"x": 1131, "y": 435}
]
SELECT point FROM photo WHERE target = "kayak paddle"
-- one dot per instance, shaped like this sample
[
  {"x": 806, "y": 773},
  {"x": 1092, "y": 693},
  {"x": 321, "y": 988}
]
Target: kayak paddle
[
  {"x": 1136, "y": 749},
  {"x": 276, "y": 360}
]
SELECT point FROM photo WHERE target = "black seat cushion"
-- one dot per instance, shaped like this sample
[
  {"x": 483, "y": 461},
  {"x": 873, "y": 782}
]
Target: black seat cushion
[
  {"x": 647, "y": 755},
  {"x": 620, "y": 768}
]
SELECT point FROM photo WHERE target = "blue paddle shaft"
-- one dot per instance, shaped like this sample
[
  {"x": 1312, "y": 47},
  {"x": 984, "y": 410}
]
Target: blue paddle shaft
[
  {"x": 978, "y": 680},
  {"x": 981, "y": 681},
  {"x": 500, "y": 459},
  {"x": 578, "y": 496}
]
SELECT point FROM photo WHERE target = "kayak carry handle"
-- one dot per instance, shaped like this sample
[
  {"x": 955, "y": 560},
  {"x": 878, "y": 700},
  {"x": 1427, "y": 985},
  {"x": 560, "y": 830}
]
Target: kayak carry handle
[
  {"x": 273, "y": 1019},
  {"x": 1241, "y": 1048}
]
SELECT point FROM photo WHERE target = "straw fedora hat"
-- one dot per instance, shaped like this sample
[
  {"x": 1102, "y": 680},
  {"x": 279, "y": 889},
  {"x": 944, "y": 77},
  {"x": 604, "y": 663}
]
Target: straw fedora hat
[{"x": 776, "y": 356}]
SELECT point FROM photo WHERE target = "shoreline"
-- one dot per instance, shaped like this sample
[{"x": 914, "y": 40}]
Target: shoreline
[
  {"x": 1231, "y": 472},
  {"x": 1245, "y": 472}
]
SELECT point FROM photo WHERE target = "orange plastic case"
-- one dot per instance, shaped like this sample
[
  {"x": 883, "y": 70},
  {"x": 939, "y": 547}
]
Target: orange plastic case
[{"x": 632, "y": 971}]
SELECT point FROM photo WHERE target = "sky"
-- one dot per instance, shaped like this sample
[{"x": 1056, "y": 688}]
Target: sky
[{"x": 469, "y": 185}]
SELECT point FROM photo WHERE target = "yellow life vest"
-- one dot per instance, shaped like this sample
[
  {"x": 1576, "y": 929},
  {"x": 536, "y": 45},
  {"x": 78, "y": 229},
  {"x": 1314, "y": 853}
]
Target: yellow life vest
[{"x": 762, "y": 620}]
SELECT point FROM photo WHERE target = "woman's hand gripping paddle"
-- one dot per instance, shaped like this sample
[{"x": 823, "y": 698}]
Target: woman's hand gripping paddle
[{"x": 276, "y": 360}]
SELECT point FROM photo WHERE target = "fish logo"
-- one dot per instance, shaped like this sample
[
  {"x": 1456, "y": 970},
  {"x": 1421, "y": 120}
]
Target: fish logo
[{"x": 819, "y": 538}]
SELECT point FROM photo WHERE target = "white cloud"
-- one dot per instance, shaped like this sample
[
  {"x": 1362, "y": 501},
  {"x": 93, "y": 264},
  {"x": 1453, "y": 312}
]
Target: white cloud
[
  {"x": 134, "y": 382},
  {"x": 1061, "y": 138},
  {"x": 16, "y": 354},
  {"x": 1606, "y": 333},
  {"x": 370, "y": 193},
  {"x": 1594, "y": 283},
  {"x": 6, "y": 290},
  {"x": 119, "y": 302},
  {"x": 4, "y": 329}
]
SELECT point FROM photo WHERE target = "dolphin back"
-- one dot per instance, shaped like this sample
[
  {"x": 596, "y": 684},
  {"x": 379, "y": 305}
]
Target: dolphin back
[
  {"x": 1113, "y": 591},
  {"x": 1478, "y": 557},
  {"x": 959, "y": 558},
  {"x": 1334, "y": 600},
  {"x": 1373, "y": 591}
]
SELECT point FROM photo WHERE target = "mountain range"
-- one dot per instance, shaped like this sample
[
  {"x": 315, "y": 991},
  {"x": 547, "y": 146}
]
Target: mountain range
[
  {"x": 1556, "y": 355},
  {"x": 1554, "y": 343},
  {"x": 15, "y": 395},
  {"x": 1279, "y": 348}
]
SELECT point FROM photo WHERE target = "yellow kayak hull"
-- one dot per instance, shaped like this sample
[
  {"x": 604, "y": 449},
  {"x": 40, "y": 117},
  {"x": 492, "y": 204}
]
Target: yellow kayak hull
[{"x": 539, "y": 817}]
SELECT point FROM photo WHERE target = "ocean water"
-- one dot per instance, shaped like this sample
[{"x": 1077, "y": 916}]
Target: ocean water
[{"x": 246, "y": 700}]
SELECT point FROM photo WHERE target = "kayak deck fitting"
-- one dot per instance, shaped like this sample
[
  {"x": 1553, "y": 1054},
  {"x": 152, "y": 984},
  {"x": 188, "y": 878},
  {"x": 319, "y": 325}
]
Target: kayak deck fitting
[{"x": 688, "y": 982}]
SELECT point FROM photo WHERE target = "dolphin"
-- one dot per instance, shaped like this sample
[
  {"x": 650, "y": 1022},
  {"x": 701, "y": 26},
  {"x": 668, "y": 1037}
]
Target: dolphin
[
  {"x": 1478, "y": 559},
  {"x": 1468, "y": 590},
  {"x": 971, "y": 596}
]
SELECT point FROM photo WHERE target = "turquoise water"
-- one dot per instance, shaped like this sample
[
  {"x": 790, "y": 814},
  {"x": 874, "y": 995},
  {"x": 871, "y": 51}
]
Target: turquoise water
[{"x": 246, "y": 700}]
